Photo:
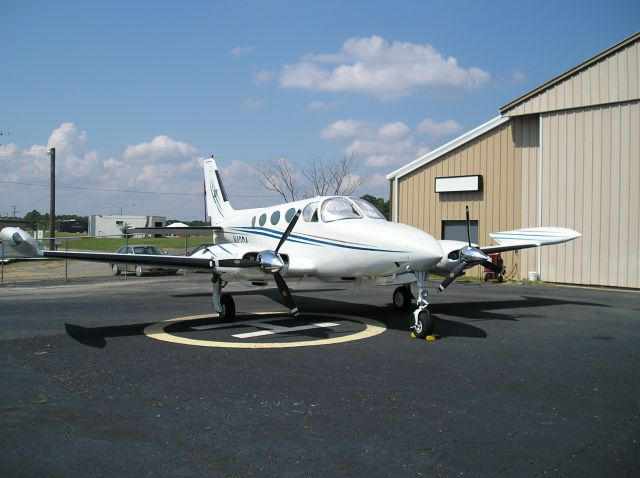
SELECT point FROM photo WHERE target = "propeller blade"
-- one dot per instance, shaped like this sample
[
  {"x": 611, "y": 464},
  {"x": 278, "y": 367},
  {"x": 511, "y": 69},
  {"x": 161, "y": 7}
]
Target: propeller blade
[
  {"x": 286, "y": 294},
  {"x": 288, "y": 230},
  {"x": 453, "y": 275},
  {"x": 493, "y": 267},
  {"x": 468, "y": 226}
]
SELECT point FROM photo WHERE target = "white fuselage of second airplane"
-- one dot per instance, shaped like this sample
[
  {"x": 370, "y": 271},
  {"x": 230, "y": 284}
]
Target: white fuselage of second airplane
[{"x": 336, "y": 237}]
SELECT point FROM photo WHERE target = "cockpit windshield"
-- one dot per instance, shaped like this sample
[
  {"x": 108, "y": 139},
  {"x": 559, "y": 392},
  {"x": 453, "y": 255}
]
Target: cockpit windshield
[
  {"x": 368, "y": 209},
  {"x": 335, "y": 209}
]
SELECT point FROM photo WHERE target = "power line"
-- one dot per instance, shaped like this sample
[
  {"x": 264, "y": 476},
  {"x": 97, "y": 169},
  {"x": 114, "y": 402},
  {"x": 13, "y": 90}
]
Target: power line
[{"x": 128, "y": 191}]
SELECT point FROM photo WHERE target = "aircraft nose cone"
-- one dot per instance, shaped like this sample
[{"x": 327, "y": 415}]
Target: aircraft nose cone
[{"x": 427, "y": 253}]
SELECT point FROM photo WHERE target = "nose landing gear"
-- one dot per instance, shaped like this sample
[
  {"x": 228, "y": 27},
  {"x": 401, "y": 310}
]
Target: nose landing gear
[{"x": 421, "y": 320}]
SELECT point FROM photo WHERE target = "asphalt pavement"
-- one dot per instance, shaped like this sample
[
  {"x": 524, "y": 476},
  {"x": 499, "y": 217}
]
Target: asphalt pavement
[{"x": 112, "y": 377}]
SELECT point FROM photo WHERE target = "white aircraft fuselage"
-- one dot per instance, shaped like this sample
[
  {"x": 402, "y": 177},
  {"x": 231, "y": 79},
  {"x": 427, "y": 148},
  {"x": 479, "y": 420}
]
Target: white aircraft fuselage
[{"x": 340, "y": 249}]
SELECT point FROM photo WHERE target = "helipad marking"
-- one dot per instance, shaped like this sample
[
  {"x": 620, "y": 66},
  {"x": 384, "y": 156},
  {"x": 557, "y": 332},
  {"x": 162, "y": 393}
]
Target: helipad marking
[
  {"x": 275, "y": 329},
  {"x": 156, "y": 331},
  {"x": 226, "y": 325}
]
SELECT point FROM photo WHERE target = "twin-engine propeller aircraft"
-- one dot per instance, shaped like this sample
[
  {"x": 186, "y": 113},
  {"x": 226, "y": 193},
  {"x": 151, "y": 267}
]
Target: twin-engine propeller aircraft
[{"x": 335, "y": 238}]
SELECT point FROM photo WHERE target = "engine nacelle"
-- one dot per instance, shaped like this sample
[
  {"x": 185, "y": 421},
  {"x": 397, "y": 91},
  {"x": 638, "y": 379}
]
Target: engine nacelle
[
  {"x": 450, "y": 256},
  {"x": 20, "y": 241}
]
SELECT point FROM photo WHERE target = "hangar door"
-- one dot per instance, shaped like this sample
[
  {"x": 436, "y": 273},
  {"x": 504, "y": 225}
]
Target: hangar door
[{"x": 457, "y": 231}]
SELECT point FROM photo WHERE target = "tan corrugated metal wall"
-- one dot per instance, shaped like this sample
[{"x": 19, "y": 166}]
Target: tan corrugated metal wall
[
  {"x": 497, "y": 156},
  {"x": 615, "y": 78},
  {"x": 591, "y": 182}
]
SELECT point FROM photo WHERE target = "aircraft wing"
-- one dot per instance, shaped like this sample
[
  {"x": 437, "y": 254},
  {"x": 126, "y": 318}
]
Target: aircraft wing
[
  {"x": 143, "y": 259},
  {"x": 23, "y": 244},
  {"x": 529, "y": 237}
]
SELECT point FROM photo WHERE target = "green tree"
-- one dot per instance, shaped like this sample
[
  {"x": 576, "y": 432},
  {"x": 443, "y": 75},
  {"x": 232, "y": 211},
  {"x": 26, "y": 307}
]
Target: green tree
[{"x": 380, "y": 203}]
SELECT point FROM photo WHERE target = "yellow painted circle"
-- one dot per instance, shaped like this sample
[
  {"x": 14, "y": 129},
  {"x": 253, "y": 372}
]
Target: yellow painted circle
[{"x": 157, "y": 331}]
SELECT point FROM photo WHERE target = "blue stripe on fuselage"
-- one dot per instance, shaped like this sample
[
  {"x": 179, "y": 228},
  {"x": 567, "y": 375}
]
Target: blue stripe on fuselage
[{"x": 263, "y": 231}]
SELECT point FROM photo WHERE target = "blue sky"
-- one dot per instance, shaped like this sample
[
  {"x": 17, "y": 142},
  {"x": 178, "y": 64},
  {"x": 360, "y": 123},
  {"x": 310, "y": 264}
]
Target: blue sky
[{"x": 134, "y": 94}]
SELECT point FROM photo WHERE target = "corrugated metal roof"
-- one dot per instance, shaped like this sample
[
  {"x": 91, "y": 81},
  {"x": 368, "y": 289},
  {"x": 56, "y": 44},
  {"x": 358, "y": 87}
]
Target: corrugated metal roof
[
  {"x": 450, "y": 146},
  {"x": 618, "y": 46}
]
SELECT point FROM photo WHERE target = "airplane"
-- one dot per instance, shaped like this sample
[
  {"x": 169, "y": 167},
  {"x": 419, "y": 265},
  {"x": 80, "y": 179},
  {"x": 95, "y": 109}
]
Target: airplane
[{"x": 332, "y": 238}]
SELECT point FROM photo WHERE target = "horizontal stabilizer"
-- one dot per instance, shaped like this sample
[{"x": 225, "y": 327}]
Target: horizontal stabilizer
[{"x": 530, "y": 237}]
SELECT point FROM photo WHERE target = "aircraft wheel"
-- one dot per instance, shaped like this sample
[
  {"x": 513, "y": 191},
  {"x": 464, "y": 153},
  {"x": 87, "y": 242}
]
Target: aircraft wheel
[
  {"x": 139, "y": 271},
  {"x": 402, "y": 298},
  {"x": 115, "y": 270},
  {"x": 228, "y": 313},
  {"x": 424, "y": 325}
]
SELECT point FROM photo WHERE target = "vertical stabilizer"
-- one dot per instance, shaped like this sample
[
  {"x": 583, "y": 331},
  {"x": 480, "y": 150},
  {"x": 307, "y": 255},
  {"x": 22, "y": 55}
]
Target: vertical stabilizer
[{"x": 218, "y": 207}]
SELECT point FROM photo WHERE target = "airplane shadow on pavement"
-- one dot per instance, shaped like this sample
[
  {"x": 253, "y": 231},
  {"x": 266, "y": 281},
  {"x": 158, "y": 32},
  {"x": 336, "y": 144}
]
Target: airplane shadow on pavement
[{"x": 393, "y": 319}]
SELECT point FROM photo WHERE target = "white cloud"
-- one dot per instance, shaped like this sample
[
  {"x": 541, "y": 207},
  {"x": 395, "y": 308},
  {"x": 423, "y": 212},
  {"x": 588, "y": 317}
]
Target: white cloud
[
  {"x": 239, "y": 50},
  {"x": 160, "y": 147},
  {"x": 381, "y": 146},
  {"x": 393, "y": 131},
  {"x": 344, "y": 129},
  {"x": 435, "y": 129},
  {"x": 381, "y": 69},
  {"x": 161, "y": 165}
]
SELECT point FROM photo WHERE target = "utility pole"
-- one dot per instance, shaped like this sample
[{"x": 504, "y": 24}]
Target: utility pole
[{"x": 52, "y": 200}]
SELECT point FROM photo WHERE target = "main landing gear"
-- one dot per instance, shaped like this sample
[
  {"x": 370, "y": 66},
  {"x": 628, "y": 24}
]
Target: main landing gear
[
  {"x": 222, "y": 304},
  {"x": 421, "y": 321}
]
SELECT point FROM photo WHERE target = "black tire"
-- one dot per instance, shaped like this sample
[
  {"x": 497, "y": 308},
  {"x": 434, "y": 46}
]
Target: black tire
[
  {"x": 424, "y": 325},
  {"x": 139, "y": 271},
  {"x": 402, "y": 298},
  {"x": 228, "y": 313},
  {"x": 114, "y": 268}
]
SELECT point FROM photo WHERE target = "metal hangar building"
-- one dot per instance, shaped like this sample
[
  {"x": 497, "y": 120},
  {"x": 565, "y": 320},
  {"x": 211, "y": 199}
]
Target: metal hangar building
[{"x": 565, "y": 154}]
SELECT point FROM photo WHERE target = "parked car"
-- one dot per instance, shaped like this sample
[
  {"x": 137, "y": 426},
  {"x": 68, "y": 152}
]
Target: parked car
[{"x": 139, "y": 270}]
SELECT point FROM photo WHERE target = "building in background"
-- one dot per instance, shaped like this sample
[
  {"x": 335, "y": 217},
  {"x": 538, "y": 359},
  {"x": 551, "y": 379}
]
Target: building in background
[
  {"x": 107, "y": 225},
  {"x": 565, "y": 154}
]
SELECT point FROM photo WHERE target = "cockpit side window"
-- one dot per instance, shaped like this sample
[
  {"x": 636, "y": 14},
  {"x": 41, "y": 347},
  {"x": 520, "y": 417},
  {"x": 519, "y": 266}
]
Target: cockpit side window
[
  {"x": 310, "y": 212},
  {"x": 336, "y": 209},
  {"x": 368, "y": 209}
]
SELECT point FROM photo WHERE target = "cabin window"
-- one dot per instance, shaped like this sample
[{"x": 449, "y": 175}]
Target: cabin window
[
  {"x": 263, "y": 219},
  {"x": 289, "y": 214},
  {"x": 336, "y": 209},
  {"x": 310, "y": 212},
  {"x": 368, "y": 209},
  {"x": 275, "y": 217},
  {"x": 253, "y": 221}
]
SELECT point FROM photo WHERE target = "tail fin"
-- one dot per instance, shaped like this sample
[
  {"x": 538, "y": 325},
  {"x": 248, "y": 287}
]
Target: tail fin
[{"x": 218, "y": 207}]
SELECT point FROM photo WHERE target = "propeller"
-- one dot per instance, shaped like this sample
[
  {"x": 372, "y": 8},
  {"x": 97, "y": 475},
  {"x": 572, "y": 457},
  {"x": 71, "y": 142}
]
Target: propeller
[
  {"x": 271, "y": 262},
  {"x": 282, "y": 285},
  {"x": 469, "y": 256}
]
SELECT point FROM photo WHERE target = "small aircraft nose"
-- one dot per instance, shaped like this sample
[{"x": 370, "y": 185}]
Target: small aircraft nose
[{"x": 425, "y": 254}]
